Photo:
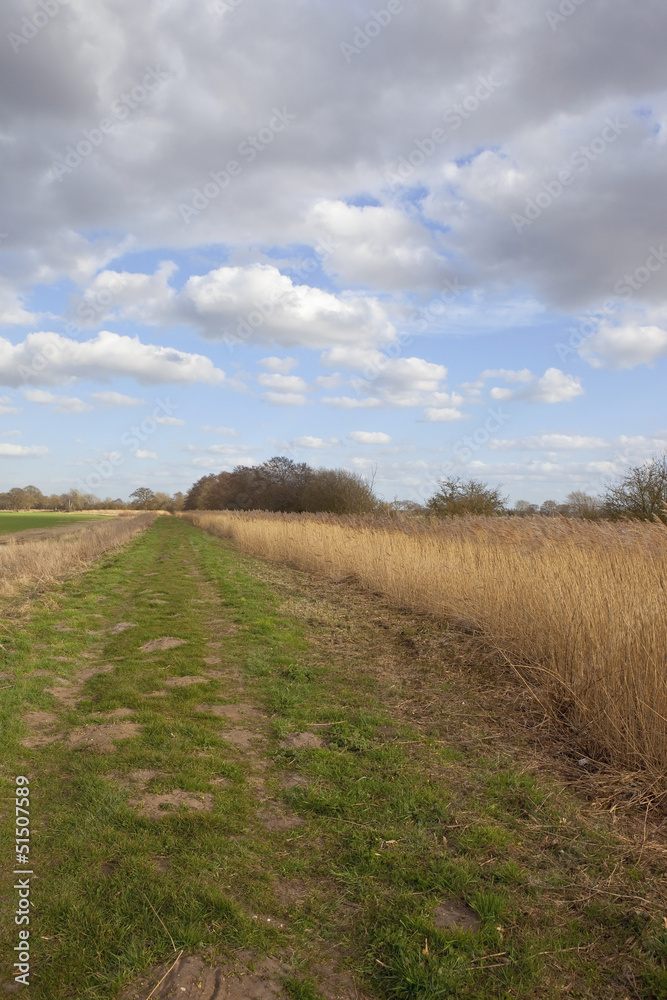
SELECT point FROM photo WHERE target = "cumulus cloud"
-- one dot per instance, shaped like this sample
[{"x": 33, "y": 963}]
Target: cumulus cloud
[
  {"x": 549, "y": 442},
  {"x": 625, "y": 346},
  {"x": 369, "y": 437},
  {"x": 51, "y": 359},
  {"x": 442, "y": 414},
  {"x": 552, "y": 387},
  {"x": 140, "y": 453},
  {"x": 283, "y": 383},
  {"x": 170, "y": 421},
  {"x": 61, "y": 404},
  {"x": 22, "y": 451},
  {"x": 115, "y": 399},
  {"x": 285, "y": 398},
  {"x": 6, "y": 407},
  {"x": 350, "y": 403},
  {"x": 226, "y": 431},
  {"x": 315, "y": 442},
  {"x": 282, "y": 365}
]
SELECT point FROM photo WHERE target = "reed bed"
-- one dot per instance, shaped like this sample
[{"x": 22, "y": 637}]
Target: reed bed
[
  {"x": 579, "y": 606},
  {"x": 27, "y": 561}
]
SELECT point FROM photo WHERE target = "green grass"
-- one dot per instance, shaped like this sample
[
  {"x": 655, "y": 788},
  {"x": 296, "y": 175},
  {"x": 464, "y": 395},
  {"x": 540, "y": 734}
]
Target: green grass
[
  {"x": 370, "y": 855},
  {"x": 11, "y": 521}
]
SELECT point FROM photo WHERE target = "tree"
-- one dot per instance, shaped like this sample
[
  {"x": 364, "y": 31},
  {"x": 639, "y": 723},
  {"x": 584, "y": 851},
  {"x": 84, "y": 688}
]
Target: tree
[
  {"x": 523, "y": 508},
  {"x": 549, "y": 508},
  {"x": 580, "y": 504},
  {"x": 338, "y": 491},
  {"x": 457, "y": 497},
  {"x": 142, "y": 498},
  {"x": 641, "y": 492}
]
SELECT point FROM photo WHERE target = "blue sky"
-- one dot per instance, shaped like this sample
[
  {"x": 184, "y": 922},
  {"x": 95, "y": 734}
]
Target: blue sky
[{"x": 417, "y": 243}]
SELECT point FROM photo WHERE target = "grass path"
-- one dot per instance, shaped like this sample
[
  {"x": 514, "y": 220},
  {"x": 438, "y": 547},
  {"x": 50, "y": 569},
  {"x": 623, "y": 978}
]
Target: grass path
[{"x": 303, "y": 799}]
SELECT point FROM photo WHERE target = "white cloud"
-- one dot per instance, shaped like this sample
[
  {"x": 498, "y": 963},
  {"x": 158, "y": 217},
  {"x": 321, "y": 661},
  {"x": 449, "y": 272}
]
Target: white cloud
[
  {"x": 442, "y": 414},
  {"x": 10, "y": 434},
  {"x": 61, "y": 404},
  {"x": 350, "y": 403},
  {"x": 134, "y": 296},
  {"x": 22, "y": 451},
  {"x": 226, "y": 431},
  {"x": 282, "y": 365},
  {"x": 51, "y": 359},
  {"x": 285, "y": 398},
  {"x": 549, "y": 442},
  {"x": 314, "y": 442},
  {"x": 170, "y": 421},
  {"x": 508, "y": 374},
  {"x": 627, "y": 346},
  {"x": 283, "y": 383},
  {"x": 257, "y": 304},
  {"x": 140, "y": 453},
  {"x": 328, "y": 381},
  {"x": 553, "y": 387},
  {"x": 6, "y": 407},
  {"x": 115, "y": 399},
  {"x": 369, "y": 437}
]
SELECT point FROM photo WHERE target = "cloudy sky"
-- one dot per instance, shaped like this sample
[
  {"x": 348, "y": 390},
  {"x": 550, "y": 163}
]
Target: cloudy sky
[{"x": 412, "y": 238}]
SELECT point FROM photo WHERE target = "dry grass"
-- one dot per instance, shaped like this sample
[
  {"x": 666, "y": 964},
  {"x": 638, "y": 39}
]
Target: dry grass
[
  {"x": 28, "y": 560},
  {"x": 582, "y": 605}
]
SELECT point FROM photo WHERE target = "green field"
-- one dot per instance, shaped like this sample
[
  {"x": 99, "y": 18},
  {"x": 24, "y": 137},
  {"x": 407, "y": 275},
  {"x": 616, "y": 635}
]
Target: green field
[{"x": 11, "y": 521}]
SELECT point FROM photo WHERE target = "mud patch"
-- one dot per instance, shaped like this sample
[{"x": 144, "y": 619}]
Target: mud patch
[
  {"x": 192, "y": 979},
  {"x": 302, "y": 741},
  {"x": 121, "y": 627},
  {"x": 182, "y": 682},
  {"x": 454, "y": 914},
  {"x": 243, "y": 738},
  {"x": 275, "y": 816},
  {"x": 291, "y": 892},
  {"x": 234, "y": 713},
  {"x": 164, "y": 642},
  {"x": 101, "y": 738},
  {"x": 155, "y": 806},
  {"x": 41, "y": 729}
]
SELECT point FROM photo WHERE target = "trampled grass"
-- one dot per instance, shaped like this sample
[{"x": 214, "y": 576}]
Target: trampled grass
[
  {"x": 397, "y": 822},
  {"x": 582, "y": 606}
]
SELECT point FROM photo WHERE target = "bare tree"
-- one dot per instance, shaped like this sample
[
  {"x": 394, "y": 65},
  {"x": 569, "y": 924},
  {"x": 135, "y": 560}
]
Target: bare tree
[
  {"x": 456, "y": 497},
  {"x": 641, "y": 492}
]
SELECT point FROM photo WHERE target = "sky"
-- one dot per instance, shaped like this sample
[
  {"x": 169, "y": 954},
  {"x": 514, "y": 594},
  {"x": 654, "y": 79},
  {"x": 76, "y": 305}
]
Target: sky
[{"x": 414, "y": 239}]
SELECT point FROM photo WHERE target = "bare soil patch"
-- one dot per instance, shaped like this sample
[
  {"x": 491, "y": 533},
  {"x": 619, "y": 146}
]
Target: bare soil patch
[
  {"x": 40, "y": 729},
  {"x": 191, "y": 978},
  {"x": 275, "y": 816},
  {"x": 454, "y": 913},
  {"x": 242, "y": 738},
  {"x": 181, "y": 682},
  {"x": 164, "y": 642},
  {"x": 121, "y": 627},
  {"x": 157, "y": 806},
  {"x": 234, "y": 713},
  {"x": 102, "y": 738},
  {"x": 302, "y": 741}
]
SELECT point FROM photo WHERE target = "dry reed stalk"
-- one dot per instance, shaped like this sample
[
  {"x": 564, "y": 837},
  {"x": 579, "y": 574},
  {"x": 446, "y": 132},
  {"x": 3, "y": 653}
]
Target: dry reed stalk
[
  {"x": 582, "y": 604},
  {"x": 25, "y": 562}
]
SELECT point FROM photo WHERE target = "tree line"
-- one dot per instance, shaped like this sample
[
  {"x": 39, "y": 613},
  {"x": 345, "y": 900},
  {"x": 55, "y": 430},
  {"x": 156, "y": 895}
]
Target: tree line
[{"x": 280, "y": 484}]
